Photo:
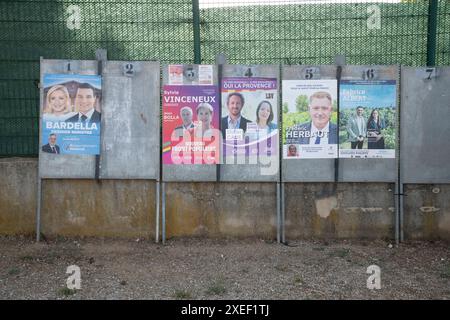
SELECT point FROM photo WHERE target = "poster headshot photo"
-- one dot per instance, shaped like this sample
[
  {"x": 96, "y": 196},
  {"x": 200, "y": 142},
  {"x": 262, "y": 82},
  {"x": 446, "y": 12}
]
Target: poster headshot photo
[
  {"x": 191, "y": 132},
  {"x": 249, "y": 120},
  {"x": 71, "y": 114},
  {"x": 367, "y": 119},
  {"x": 309, "y": 119}
]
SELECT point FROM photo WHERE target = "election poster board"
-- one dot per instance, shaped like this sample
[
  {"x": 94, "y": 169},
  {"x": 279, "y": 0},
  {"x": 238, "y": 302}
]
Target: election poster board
[
  {"x": 249, "y": 122},
  {"x": 310, "y": 119},
  {"x": 367, "y": 119},
  {"x": 71, "y": 114},
  {"x": 191, "y": 132}
]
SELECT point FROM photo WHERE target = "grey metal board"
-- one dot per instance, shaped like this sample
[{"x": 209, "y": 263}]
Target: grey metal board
[
  {"x": 308, "y": 170},
  {"x": 425, "y": 132},
  {"x": 188, "y": 172},
  {"x": 130, "y": 120},
  {"x": 267, "y": 169},
  {"x": 370, "y": 170},
  {"x": 65, "y": 166}
]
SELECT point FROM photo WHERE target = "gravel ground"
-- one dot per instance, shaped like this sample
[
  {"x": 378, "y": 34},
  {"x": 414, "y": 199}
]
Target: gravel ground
[{"x": 222, "y": 269}]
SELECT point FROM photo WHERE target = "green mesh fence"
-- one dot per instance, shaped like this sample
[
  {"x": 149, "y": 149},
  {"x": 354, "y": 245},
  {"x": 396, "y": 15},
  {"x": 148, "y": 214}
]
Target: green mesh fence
[
  {"x": 316, "y": 33},
  {"x": 261, "y": 32},
  {"x": 443, "y": 34}
]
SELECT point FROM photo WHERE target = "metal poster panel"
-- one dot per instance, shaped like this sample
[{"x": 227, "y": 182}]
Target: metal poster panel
[
  {"x": 249, "y": 122},
  {"x": 309, "y": 119},
  {"x": 190, "y": 124},
  {"x": 367, "y": 118},
  {"x": 425, "y": 129},
  {"x": 131, "y": 120},
  {"x": 71, "y": 114}
]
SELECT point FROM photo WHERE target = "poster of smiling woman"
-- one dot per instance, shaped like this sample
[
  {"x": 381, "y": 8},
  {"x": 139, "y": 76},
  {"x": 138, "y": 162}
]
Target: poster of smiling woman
[{"x": 71, "y": 114}]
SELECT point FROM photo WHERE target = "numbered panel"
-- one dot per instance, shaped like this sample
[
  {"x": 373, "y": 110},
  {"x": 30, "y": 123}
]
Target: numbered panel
[
  {"x": 425, "y": 146},
  {"x": 130, "y": 143},
  {"x": 250, "y": 123},
  {"x": 52, "y": 163},
  {"x": 186, "y": 91},
  {"x": 368, "y": 144},
  {"x": 129, "y": 122},
  {"x": 299, "y": 84}
]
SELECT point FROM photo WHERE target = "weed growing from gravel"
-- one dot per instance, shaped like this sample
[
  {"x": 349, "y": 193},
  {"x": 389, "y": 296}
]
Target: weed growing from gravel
[
  {"x": 26, "y": 258},
  {"x": 67, "y": 292},
  {"x": 446, "y": 273},
  {"x": 341, "y": 253},
  {"x": 298, "y": 280},
  {"x": 216, "y": 288},
  {"x": 280, "y": 267},
  {"x": 182, "y": 294},
  {"x": 13, "y": 271}
]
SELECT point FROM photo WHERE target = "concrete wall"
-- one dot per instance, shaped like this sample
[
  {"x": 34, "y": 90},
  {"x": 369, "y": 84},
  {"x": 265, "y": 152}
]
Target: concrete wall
[
  {"x": 427, "y": 211},
  {"x": 18, "y": 185},
  {"x": 221, "y": 209},
  {"x": 111, "y": 208},
  {"x": 344, "y": 210},
  {"x": 126, "y": 208}
]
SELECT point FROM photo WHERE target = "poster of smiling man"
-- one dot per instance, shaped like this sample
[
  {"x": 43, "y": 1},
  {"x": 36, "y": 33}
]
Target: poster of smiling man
[
  {"x": 309, "y": 119},
  {"x": 71, "y": 114}
]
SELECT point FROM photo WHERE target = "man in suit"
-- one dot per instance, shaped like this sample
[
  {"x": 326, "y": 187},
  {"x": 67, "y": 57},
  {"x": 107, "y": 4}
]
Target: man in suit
[
  {"x": 319, "y": 130},
  {"x": 51, "y": 146},
  {"x": 186, "y": 114},
  {"x": 357, "y": 129},
  {"x": 85, "y": 105},
  {"x": 234, "y": 120}
]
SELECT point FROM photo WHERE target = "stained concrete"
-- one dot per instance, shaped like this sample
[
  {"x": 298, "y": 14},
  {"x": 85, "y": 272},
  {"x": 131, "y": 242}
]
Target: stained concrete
[
  {"x": 126, "y": 208},
  {"x": 221, "y": 209},
  {"x": 427, "y": 211},
  {"x": 18, "y": 185},
  {"x": 111, "y": 208},
  {"x": 345, "y": 210}
]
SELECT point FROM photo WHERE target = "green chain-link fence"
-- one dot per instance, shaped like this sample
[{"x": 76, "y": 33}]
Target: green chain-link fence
[{"x": 168, "y": 30}]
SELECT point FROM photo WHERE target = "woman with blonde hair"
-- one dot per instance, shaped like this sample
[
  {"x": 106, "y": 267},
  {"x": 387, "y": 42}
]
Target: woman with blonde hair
[
  {"x": 58, "y": 104},
  {"x": 204, "y": 116}
]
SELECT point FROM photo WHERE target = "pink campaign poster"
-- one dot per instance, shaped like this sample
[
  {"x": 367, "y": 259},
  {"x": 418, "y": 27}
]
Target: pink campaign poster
[{"x": 191, "y": 132}]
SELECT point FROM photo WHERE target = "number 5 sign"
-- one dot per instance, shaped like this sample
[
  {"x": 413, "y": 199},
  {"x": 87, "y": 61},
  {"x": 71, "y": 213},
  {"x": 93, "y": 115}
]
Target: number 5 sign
[{"x": 311, "y": 73}]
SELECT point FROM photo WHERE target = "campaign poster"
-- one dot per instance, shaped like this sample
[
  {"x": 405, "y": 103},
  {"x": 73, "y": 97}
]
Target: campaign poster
[
  {"x": 249, "y": 122},
  {"x": 71, "y": 114},
  {"x": 310, "y": 119},
  {"x": 367, "y": 119},
  {"x": 191, "y": 132}
]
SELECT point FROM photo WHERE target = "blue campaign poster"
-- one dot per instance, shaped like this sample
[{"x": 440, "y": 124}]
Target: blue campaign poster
[{"x": 71, "y": 114}]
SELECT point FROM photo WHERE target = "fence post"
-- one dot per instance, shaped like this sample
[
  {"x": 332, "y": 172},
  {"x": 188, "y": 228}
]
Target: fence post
[
  {"x": 432, "y": 30},
  {"x": 196, "y": 26}
]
